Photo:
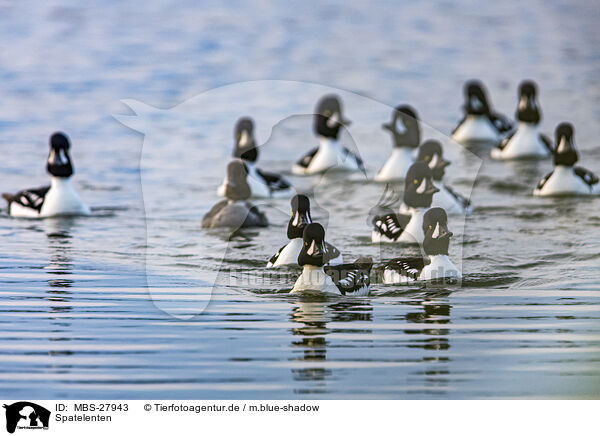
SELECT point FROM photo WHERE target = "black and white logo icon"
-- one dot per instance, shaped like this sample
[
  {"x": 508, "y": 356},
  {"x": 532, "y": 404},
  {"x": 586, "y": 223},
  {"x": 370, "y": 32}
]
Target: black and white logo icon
[{"x": 26, "y": 415}]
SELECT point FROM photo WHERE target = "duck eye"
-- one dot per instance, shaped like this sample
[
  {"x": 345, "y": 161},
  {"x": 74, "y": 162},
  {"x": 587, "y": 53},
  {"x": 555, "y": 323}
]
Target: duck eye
[
  {"x": 427, "y": 158},
  {"x": 415, "y": 181},
  {"x": 430, "y": 227},
  {"x": 327, "y": 112}
]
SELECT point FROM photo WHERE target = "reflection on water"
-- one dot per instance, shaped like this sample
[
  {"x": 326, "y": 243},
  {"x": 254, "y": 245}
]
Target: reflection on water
[
  {"x": 60, "y": 269},
  {"x": 311, "y": 318}
]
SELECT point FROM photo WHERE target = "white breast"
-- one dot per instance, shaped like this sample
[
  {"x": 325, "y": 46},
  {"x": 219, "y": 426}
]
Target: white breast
[
  {"x": 397, "y": 165},
  {"x": 525, "y": 143},
  {"x": 413, "y": 234},
  {"x": 62, "y": 199},
  {"x": 447, "y": 201},
  {"x": 476, "y": 128},
  {"x": 440, "y": 267},
  {"x": 331, "y": 155},
  {"x": 313, "y": 278},
  {"x": 563, "y": 181},
  {"x": 289, "y": 254}
]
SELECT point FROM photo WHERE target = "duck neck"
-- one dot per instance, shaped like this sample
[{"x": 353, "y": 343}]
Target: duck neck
[
  {"x": 60, "y": 182},
  {"x": 328, "y": 142}
]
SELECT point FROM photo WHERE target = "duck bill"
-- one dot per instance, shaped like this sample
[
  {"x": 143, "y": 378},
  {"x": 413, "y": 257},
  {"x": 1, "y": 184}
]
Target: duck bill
[
  {"x": 443, "y": 164},
  {"x": 431, "y": 189},
  {"x": 441, "y": 232}
]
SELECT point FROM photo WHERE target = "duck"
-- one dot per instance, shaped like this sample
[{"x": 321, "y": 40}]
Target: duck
[
  {"x": 480, "y": 123},
  {"x": 235, "y": 211},
  {"x": 526, "y": 142},
  {"x": 59, "y": 198},
  {"x": 288, "y": 254},
  {"x": 431, "y": 152},
  {"x": 435, "y": 245},
  {"x": 262, "y": 184},
  {"x": 567, "y": 179},
  {"x": 346, "y": 279},
  {"x": 406, "y": 135},
  {"x": 418, "y": 195},
  {"x": 330, "y": 154}
]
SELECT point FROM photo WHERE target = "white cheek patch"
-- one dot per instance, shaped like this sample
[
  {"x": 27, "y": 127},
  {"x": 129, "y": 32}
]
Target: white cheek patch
[
  {"x": 311, "y": 250},
  {"x": 296, "y": 219},
  {"x": 244, "y": 138},
  {"x": 522, "y": 103},
  {"x": 400, "y": 126},
  {"x": 476, "y": 103},
  {"x": 333, "y": 120},
  {"x": 436, "y": 232},
  {"x": 422, "y": 186},
  {"x": 434, "y": 161},
  {"x": 562, "y": 146}
]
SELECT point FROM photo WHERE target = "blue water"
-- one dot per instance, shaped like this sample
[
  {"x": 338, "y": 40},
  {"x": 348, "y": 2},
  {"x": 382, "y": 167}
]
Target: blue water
[{"x": 77, "y": 317}]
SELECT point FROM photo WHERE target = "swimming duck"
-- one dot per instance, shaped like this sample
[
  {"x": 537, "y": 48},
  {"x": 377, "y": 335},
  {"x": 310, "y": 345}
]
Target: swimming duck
[
  {"x": 348, "y": 279},
  {"x": 288, "y": 254},
  {"x": 432, "y": 154},
  {"x": 60, "y": 198},
  {"x": 235, "y": 211},
  {"x": 262, "y": 184},
  {"x": 330, "y": 154},
  {"x": 567, "y": 179},
  {"x": 435, "y": 245},
  {"x": 526, "y": 142},
  {"x": 480, "y": 123},
  {"x": 418, "y": 194},
  {"x": 406, "y": 135}
]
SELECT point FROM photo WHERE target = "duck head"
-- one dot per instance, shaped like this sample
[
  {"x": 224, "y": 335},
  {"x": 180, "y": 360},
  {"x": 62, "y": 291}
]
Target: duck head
[
  {"x": 418, "y": 186},
  {"x": 404, "y": 127},
  {"x": 236, "y": 185},
  {"x": 437, "y": 235},
  {"x": 59, "y": 162},
  {"x": 328, "y": 117},
  {"x": 300, "y": 216},
  {"x": 528, "y": 110},
  {"x": 476, "y": 102},
  {"x": 245, "y": 144},
  {"x": 432, "y": 154},
  {"x": 564, "y": 151},
  {"x": 313, "y": 246}
]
